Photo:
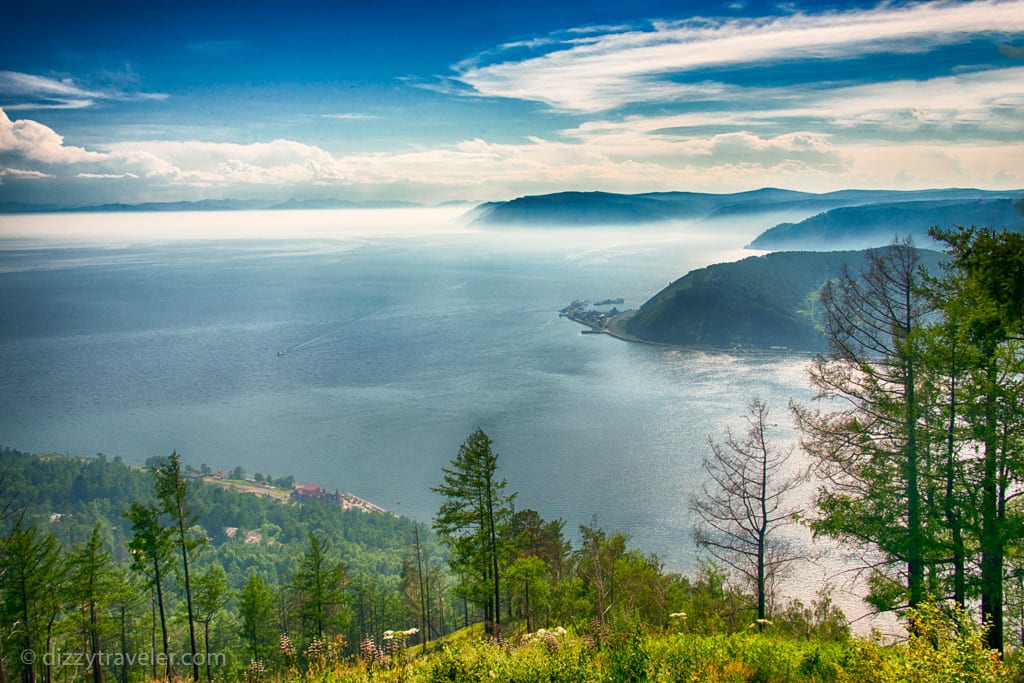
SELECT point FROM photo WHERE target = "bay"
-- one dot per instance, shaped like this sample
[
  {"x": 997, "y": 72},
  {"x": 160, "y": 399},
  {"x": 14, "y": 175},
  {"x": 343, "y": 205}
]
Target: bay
[{"x": 357, "y": 350}]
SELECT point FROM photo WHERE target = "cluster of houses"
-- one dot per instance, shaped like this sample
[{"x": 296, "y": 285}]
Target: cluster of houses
[
  {"x": 300, "y": 493},
  {"x": 596, "y": 320},
  {"x": 346, "y": 500}
]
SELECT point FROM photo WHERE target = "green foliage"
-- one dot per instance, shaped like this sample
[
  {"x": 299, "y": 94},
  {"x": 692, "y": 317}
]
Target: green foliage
[
  {"x": 34, "y": 573},
  {"x": 821, "y": 620},
  {"x": 710, "y": 605},
  {"x": 474, "y": 513},
  {"x": 944, "y": 649},
  {"x": 78, "y": 493},
  {"x": 256, "y": 612},
  {"x": 318, "y": 590}
]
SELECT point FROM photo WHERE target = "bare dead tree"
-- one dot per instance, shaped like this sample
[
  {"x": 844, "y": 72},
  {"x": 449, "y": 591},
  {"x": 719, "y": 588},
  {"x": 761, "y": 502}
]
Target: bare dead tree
[{"x": 744, "y": 505}]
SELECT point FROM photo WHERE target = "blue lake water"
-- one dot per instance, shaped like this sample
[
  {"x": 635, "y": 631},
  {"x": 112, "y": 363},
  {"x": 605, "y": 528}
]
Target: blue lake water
[{"x": 360, "y": 351}]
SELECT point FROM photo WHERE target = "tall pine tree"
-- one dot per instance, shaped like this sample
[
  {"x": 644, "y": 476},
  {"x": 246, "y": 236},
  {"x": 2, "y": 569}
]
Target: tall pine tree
[{"x": 474, "y": 509}]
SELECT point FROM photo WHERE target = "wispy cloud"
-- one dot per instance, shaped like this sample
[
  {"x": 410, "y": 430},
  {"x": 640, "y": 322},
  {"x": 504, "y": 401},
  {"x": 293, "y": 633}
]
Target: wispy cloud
[
  {"x": 27, "y": 91},
  {"x": 349, "y": 116},
  {"x": 23, "y": 174},
  {"x": 22, "y": 91},
  {"x": 617, "y": 68},
  {"x": 106, "y": 176},
  {"x": 974, "y": 104}
]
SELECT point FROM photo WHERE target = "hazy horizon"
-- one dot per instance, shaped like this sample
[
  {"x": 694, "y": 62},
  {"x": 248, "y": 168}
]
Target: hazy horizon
[{"x": 471, "y": 102}]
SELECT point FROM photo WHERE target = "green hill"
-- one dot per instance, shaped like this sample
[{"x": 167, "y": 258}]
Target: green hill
[
  {"x": 878, "y": 224},
  {"x": 761, "y": 302},
  {"x": 245, "y": 531}
]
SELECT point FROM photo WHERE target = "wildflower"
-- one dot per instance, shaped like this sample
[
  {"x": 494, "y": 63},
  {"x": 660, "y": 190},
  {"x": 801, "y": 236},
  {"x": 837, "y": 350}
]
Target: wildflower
[
  {"x": 677, "y": 615},
  {"x": 369, "y": 651},
  {"x": 287, "y": 646},
  {"x": 255, "y": 672}
]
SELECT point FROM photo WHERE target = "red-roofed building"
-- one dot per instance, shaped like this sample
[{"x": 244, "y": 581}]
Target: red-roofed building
[{"x": 315, "y": 492}]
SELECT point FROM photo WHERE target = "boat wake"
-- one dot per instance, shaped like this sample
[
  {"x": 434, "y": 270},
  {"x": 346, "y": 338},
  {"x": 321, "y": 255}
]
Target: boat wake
[{"x": 332, "y": 336}]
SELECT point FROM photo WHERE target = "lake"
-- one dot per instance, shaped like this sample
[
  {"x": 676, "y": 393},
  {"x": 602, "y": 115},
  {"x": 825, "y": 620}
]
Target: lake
[{"x": 358, "y": 349}]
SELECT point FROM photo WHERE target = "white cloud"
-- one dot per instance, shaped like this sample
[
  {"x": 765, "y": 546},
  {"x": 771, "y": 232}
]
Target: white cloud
[
  {"x": 348, "y": 116},
  {"x": 29, "y": 140},
  {"x": 613, "y": 69},
  {"x": 633, "y": 155},
  {"x": 210, "y": 163},
  {"x": 106, "y": 176},
  {"x": 23, "y": 174},
  {"x": 975, "y": 104}
]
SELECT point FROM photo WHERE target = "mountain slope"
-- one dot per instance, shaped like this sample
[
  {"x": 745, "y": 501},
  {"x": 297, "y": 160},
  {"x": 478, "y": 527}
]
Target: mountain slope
[
  {"x": 876, "y": 224},
  {"x": 761, "y": 301},
  {"x": 567, "y": 209}
]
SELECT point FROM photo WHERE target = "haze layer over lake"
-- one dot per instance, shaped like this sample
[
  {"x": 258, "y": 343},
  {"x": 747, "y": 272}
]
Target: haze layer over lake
[{"x": 358, "y": 349}]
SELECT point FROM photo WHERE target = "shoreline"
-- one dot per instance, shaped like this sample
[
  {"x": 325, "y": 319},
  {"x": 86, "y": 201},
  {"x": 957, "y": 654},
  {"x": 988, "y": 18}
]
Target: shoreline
[{"x": 615, "y": 328}]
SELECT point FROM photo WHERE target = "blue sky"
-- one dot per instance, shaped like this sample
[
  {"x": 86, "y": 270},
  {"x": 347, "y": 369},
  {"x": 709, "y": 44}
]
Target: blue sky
[{"x": 162, "y": 101}]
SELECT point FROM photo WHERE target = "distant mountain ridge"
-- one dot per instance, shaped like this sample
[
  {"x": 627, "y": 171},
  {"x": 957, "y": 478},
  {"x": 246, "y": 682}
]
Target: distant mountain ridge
[
  {"x": 866, "y": 225},
  {"x": 566, "y": 209}
]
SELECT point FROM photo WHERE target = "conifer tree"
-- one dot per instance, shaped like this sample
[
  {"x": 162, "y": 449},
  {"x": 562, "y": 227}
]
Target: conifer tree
[
  {"x": 256, "y": 609},
  {"x": 984, "y": 288},
  {"x": 319, "y": 587},
  {"x": 34, "y": 572},
  {"x": 211, "y": 596},
  {"x": 172, "y": 490},
  {"x": 150, "y": 547},
  {"x": 473, "y": 511},
  {"x": 93, "y": 583},
  {"x": 868, "y": 448}
]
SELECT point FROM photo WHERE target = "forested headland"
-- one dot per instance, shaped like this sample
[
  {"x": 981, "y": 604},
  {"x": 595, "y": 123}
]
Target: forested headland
[{"x": 133, "y": 573}]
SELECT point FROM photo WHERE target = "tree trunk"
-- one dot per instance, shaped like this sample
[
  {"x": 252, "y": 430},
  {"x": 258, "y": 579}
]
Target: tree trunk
[
  {"x": 123, "y": 670},
  {"x": 163, "y": 620},
  {"x": 959, "y": 552},
  {"x": 206, "y": 646},
  {"x": 94, "y": 644},
  {"x": 188, "y": 596},
  {"x": 991, "y": 536}
]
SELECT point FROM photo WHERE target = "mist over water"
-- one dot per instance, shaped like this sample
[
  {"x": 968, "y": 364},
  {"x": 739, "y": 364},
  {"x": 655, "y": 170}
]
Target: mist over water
[{"x": 357, "y": 350}]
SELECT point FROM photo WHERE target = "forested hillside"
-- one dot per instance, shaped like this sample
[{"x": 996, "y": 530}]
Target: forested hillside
[
  {"x": 759, "y": 302},
  {"x": 73, "y": 494},
  {"x": 859, "y": 227}
]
